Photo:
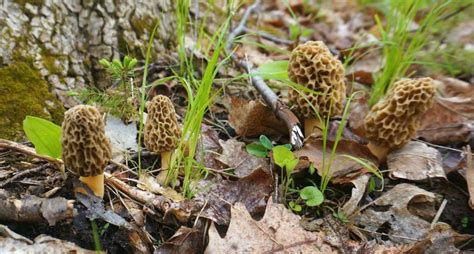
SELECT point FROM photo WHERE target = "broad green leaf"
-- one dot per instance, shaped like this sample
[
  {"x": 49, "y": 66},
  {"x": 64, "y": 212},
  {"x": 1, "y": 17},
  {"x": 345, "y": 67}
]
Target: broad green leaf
[
  {"x": 290, "y": 165},
  {"x": 266, "y": 142},
  {"x": 274, "y": 70},
  {"x": 257, "y": 149},
  {"x": 312, "y": 195},
  {"x": 288, "y": 146},
  {"x": 282, "y": 155},
  {"x": 45, "y": 136}
]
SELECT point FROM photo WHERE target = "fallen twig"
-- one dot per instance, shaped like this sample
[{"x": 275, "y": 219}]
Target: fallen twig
[
  {"x": 470, "y": 176},
  {"x": 280, "y": 109},
  {"x": 35, "y": 209}
]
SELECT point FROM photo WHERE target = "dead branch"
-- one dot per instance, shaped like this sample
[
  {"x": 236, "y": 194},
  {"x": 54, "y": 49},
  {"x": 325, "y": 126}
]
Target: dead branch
[
  {"x": 280, "y": 109},
  {"x": 35, "y": 209}
]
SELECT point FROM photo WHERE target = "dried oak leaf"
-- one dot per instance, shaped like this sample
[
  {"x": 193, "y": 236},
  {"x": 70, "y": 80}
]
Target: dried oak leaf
[
  {"x": 391, "y": 213},
  {"x": 251, "y": 190},
  {"x": 235, "y": 156},
  {"x": 343, "y": 169},
  {"x": 185, "y": 240},
  {"x": 278, "y": 230},
  {"x": 208, "y": 148},
  {"x": 441, "y": 239},
  {"x": 451, "y": 118},
  {"x": 253, "y": 118},
  {"x": 415, "y": 161}
]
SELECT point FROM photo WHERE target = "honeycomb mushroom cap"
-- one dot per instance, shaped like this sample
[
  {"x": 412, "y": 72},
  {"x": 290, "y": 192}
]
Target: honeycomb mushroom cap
[
  {"x": 393, "y": 120},
  {"x": 312, "y": 65},
  {"x": 86, "y": 149},
  {"x": 161, "y": 129}
]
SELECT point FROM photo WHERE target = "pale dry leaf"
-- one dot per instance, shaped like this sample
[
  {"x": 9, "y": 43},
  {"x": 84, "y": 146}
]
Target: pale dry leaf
[
  {"x": 360, "y": 185},
  {"x": 235, "y": 156},
  {"x": 253, "y": 118},
  {"x": 391, "y": 213},
  {"x": 150, "y": 183},
  {"x": 415, "y": 161},
  {"x": 279, "y": 230},
  {"x": 122, "y": 137},
  {"x": 343, "y": 169}
]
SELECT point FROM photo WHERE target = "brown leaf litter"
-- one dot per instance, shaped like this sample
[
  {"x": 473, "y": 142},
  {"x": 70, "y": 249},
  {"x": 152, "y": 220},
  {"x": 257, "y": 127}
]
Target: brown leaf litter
[{"x": 343, "y": 169}]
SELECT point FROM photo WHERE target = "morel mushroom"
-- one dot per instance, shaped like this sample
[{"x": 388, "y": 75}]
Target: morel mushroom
[
  {"x": 161, "y": 131},
  {"x": 393, "y": 120},
  {"x": 86, "y": 149},
  {"x": 313, "y": 66}
]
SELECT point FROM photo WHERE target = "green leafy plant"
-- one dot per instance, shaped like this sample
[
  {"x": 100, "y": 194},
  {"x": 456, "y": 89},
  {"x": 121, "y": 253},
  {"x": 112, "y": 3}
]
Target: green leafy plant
[
  {"x": 312, "y": 196},
  {"x": 262, "y": 148},
  {"x": 121, "y": 71},
  {"x": 285, "y": 159},
  {"x": 45, "y": 136}
]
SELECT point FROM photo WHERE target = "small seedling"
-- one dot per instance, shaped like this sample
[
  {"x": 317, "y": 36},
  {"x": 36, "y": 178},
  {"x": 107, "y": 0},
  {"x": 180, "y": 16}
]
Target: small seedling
[
  {"x": 294, "y": 206},
  {"x": 341, "y": 216},
  {"x": 465, "y": 222},
  {"x": 262, "y": 149},
  {"x": 312, "y": 196}
]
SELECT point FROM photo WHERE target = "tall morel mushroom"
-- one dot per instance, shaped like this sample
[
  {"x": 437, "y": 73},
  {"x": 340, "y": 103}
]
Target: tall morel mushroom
[
  {"x": 393, "y": 120},
  {"x": 162, "y": 131},
  {"x": 86, "y": 149},
  {"x": 313, "y": 66}
]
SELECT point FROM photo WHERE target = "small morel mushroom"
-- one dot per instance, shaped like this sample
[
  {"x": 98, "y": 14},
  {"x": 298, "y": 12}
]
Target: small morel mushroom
[
  {"x": 393, "y": 120},
  {"x": 162, "y": 131},
  {"x": 313, "y": 66},
  {"x": 86, "y": 149}
]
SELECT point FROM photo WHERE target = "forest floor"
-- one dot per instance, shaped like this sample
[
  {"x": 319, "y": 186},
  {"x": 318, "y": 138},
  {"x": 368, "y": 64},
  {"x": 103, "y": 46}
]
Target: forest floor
[{"x": 245, "y": 177}]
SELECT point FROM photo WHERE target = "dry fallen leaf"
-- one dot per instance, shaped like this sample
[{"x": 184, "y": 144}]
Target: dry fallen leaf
[
  {"x": 279, "y": 230},
  {"x": 343, "y": 169},
  {"x": 451, "y": 118},
  {"x": 415, "y": 161},
  {"x": 253, "y": 118},
  {"x": 208, "y": 148},
  {"x": 390, "y": 213},
  {"x": 251, "y": 190},
  {"x": 235, "y": 156},
  {"x": 441, "y": 239},
  {"x": 360, "y": 185},
  {"x": 185, "y": 240}
]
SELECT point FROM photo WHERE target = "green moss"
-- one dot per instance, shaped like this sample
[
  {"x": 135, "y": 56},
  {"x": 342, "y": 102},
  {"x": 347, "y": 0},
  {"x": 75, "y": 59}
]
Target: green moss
[
  {"x": 48, "y": 61},
  {"x": 143, "y": 24},
  {"x": 24, "y": 93}
]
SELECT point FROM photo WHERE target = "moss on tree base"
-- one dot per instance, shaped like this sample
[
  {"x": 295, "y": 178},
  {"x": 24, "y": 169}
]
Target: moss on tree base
[{"x": 23, "y": 93}]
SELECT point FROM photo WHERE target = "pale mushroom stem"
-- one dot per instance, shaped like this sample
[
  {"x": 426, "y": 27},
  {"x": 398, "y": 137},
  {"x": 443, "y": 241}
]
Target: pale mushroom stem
[
  {"x": 95, "y": 183},
  {"x": 379, "y": 151},
  {"x": 312, "y": 126},
  {"x": 165, "y": 161}
]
